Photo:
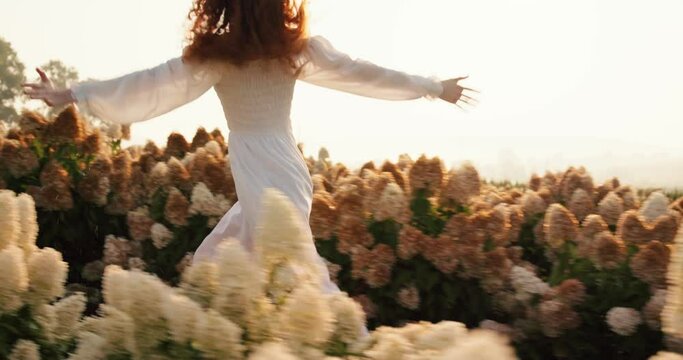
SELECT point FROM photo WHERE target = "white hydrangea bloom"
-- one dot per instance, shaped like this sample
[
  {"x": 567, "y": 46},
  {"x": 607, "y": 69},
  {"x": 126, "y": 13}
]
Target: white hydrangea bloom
[
  {"x": 441, "y": 336},
  {"x": 68, "y": 312},
  {"x": 240, "y": 280},
  {"x": 13, "y": 278},
  {"x": 349, "y": 318},
  {"x": 272, "y": 351},
  {"x": 424, "y": 355},
  {"x": 188, "y": 159},
  {"x": 526, "y": 283},
  {"x": 623, "y": 320},
  {"x": 204, "y": 202},
  {"x": 90, "y": 346},
  {"x": 392, "y": 203},
  {"x": 532, "y": 203},
  {"x": 45, "y": 315},
  {"x": 213, "y": 148},
  {"x": 146, "y": 295},
  {"x": 181, "y": 314},
  {"x": 158, "y": 177},
  {"x": 28, "y": 223},
  {"x": 259, "y": 319},
  {"x": 200, "y": 282},
  {"x": 25, "y": 350},
  {"x": 161, "y": 235},
  {"x": 306, "y": 318},
  {"x": 610, "y": 208},
  {"x": 10, "y": 226},
  {"x": 656, "y": 205},
  {"x": 47, "y": 275},
  {"x": 113, "y": 130},
  {"x": 480, "y": 344},
  {"x": 212, "y": 221},
  {"x": 391, "y": 347},
  {"x": 412, "y": 331},
  {"x": 217, "y": 337},
  {"x": 115, "y": 289},
  {"x": 280, "y": 233},
  {"x": 116, "y": 326},
  {"x": 665, "y": 355},
  {"x": 283, "y": 279},
  {"x": 307, "y": 352}
]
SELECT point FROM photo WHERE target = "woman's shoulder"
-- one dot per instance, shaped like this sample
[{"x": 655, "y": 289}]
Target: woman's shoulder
[
  {"x": 320, "y": 50},
  {"x": 317, "y": 41}
]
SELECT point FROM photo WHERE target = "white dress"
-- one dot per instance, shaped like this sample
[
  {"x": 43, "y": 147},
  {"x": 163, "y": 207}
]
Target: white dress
[{"x": 256, "y": 101}]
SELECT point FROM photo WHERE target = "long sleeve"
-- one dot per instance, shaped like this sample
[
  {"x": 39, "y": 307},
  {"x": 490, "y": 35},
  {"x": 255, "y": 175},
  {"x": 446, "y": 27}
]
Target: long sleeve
[
  {"x": 147, "y": 93},
  {"x": 323, "y": 65}
]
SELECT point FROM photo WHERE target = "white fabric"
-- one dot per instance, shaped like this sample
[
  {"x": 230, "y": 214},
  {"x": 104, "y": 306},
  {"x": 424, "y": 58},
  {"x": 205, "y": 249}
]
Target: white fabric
[{"x": 256, "y": 101}]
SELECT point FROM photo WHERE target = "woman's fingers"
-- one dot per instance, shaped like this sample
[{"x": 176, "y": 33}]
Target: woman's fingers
[
  {"x": 32, "y": 90},
  {"x": 470, "y": 89},
  {"x": 35, "y": 94},
  {"x": 470, "y": 102},
  {"x": 467, "y": 101},
  {"x": 42, "y": 74},
  {"x": 468, "y": 97}
]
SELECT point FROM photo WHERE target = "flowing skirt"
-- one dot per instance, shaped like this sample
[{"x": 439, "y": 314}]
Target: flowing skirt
[{"x": 259, "y": 160}]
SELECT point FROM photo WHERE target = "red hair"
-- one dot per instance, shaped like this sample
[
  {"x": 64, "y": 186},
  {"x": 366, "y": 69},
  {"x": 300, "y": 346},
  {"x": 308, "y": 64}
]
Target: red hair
[{"x": 239, "y": 31}]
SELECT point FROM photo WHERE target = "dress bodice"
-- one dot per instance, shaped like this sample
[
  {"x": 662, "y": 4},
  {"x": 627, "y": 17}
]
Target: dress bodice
[{"x": 255, "y": 97}]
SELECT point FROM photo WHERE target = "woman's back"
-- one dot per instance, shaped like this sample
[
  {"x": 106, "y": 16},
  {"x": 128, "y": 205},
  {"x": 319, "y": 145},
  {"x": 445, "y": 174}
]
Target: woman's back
[{"x": 257, "y": 97}]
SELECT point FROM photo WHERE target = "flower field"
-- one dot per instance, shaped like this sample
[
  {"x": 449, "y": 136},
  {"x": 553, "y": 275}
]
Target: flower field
[{"x": 434, "y": 263}]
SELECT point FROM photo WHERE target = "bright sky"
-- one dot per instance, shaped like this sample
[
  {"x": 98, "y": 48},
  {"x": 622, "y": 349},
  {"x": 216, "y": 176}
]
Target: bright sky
[{"x": 588, "y": 82}]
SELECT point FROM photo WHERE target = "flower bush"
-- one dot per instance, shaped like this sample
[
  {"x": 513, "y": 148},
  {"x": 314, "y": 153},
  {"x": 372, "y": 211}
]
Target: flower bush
[
  {"x": 565, "y": 267},
  {"x": 238, "y": 307},
  {"x": 37, "y": 313},
  {"x": 98, "y": 203}
]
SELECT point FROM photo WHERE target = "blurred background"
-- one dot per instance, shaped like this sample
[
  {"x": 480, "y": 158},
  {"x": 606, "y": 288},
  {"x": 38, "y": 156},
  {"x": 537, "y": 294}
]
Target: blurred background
[{"x": 594, "y": 83}]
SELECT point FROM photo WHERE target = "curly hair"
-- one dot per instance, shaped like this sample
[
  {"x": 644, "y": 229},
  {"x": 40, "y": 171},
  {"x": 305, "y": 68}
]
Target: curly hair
[{"x": 243, "y": 30}]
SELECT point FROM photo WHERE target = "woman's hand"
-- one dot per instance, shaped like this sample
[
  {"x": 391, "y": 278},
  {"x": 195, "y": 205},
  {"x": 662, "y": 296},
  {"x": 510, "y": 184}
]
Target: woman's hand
[
  {"x": 453, "y": 92},
  {"x": 45, "y": 90}
]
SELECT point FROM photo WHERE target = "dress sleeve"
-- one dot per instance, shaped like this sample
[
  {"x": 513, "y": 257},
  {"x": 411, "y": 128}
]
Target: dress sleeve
[
  {"x": 147, "y": 93},
  {"x": 323, "y": 65}
]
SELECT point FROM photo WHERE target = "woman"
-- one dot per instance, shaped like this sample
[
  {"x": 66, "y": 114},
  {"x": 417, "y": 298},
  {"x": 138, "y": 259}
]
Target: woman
[{"x": 251, "y": 52}]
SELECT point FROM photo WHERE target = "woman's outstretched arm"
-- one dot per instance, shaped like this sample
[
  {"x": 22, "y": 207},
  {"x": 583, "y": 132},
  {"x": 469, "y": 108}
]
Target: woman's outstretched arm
[
  {"x": 326, "y": 66},
  {"x": 136, "y": 96}
]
